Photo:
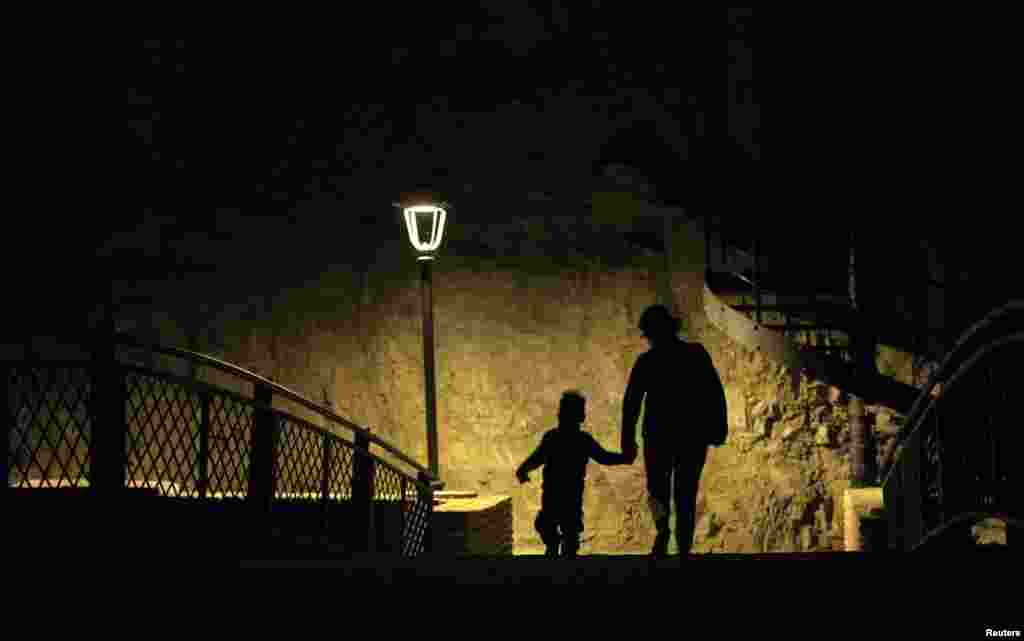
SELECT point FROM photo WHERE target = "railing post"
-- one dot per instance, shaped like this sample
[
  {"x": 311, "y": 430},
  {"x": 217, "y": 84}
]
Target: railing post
[
  {"x": 263, "y": 446},
  {"x": 8, "y": 426},
  {"x": 362, "y": 495},
  {"x": 402, "y": 520},
  {"x": 1014, "y": 537},
  {"x": 912, "y": 490},
  {"x": 426, "y": 496},
  {"x": 204, "y": 444},
  {"x": 863, "y": 352},
  {"x": 707, "y": 242},
  {"x": 325, "y": 483},
  {"x": 109, "y": 427},
  {"x": 757, "y": 280},
  {"x": 722, "y": 241},
  {"x": 892, "y": 500},
  {"x": 861, "y": 451}
]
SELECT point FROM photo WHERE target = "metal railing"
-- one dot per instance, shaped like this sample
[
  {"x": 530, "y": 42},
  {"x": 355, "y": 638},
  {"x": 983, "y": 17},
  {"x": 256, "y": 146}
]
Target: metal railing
[
  {"x": 824, "y": 294},
  {"x": 951, "y": 463},
  {"x": 114, "y": 426}
]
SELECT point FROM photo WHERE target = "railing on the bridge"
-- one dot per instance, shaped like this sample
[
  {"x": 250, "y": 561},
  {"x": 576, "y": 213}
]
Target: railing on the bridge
[
  {"x": 953, "y": 465},
  {"x": 112, "y": 425}
]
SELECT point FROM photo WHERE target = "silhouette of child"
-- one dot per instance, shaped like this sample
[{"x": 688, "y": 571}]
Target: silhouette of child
[{"x": 564, "y": 453}]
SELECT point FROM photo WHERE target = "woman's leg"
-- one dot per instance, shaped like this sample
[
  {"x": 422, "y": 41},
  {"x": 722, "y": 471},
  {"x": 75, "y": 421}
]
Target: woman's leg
[
  {"x": 688, "y": 467},
  {"x": 657, "y": 462}
]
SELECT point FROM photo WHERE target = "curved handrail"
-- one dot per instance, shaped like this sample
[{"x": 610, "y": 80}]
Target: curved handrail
[
  {"x": 123, "y": 338},
  {"x": 316, "y": 428},
  {"x": 773, "y": 344},
  {"x": 776, "y": 345},
  {"x": 281, "y": 390},
  {"x": 943, "y": 373}
]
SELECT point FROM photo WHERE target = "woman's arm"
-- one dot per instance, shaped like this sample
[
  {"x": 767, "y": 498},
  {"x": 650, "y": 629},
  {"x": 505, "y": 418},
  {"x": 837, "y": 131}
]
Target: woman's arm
[{"x": 631, "y": 402}]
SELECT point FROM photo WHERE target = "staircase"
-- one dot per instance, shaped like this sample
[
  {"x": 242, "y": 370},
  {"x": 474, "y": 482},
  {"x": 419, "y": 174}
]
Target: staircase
[{"x": 793, "y": 300}]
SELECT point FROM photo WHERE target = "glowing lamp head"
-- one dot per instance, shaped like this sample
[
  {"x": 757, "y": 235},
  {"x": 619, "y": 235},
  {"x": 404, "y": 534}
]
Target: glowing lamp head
[{"x": 425, "y": 224}]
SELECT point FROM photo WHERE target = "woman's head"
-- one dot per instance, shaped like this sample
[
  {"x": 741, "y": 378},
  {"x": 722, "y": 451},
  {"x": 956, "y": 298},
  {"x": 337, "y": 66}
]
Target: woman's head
[{"x": 658, "y": 323}]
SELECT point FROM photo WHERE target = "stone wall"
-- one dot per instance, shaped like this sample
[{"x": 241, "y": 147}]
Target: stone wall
[
  {"x": 779, "y": 482},
  {"x": 524, "y": 310}
]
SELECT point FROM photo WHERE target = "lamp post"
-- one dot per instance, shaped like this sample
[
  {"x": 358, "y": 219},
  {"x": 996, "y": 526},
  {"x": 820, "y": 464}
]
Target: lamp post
[{"x": 424, "y": 217}]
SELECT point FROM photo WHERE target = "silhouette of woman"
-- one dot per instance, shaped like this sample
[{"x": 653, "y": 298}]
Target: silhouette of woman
[{"x": 684, "y": 412}]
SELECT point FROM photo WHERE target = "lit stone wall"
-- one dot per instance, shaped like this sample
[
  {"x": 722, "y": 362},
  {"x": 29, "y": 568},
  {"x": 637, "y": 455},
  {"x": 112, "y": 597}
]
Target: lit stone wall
[{"x": 524, "y": 310}]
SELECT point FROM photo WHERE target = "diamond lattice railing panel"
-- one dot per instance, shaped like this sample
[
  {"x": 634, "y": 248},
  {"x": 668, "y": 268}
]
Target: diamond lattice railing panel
[
  {"x": 340, "y": 476},
  {"x": 299, "y": 462},
  {"x": 1009, "y": 439},
  {"x": 49, "y": 446},
  {"x": 967, "y": 435},
  {"x": 415, "y": 518},
  {"x": 396, "y": 487},
  {"x": 971, "y": 443},
  {"x": 950, "y": 461},
  {"x": 51, "y": 409},
  {"x": 164, "y": 419},
  {"x": 231, "y": 423},
  {"x": 387, "y": 484},
  {"x": 962, "y": 461}
]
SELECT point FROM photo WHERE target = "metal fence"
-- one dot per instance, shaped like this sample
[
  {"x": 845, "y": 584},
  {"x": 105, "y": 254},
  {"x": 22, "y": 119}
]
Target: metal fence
[
  {"x": 105, "y": 424},
  {"x": 952, "y": 466}
]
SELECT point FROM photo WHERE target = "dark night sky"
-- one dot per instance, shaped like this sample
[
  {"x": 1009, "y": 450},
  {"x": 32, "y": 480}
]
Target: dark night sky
[
  {"x": 506, "y": 99},
  {"x": 498, "y": 103},
  {"x": 503, "y": 97}
]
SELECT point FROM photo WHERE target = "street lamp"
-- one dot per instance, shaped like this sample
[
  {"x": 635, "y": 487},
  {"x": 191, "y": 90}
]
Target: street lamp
[
  {"x": 424, "y": 216},
  {"x": 425, "y": 224}
]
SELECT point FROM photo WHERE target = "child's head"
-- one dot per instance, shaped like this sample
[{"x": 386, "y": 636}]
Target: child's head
[{"x": 572, "y": 409}]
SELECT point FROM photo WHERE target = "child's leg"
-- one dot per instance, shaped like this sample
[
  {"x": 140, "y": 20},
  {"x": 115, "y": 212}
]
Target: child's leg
[
  {"x": 572, "y": 527},
  {"x": 548, "y": 530},
  {"x": 571, "y": 538}
]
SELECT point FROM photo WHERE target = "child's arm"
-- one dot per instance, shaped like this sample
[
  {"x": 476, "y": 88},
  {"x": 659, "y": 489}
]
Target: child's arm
[
  {"x": 532, "y": 462},
  {"x": 604, "y": 457}
]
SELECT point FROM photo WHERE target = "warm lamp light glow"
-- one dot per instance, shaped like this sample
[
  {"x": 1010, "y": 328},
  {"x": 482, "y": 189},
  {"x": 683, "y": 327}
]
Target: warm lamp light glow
[{"x": 425, "y": 224}]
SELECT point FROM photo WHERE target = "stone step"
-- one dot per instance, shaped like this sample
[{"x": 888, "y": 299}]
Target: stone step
[
  {"x": 455, "y": 494},
  {"x": 535, "y": 569},
  {"x": 600, "y": 568}
]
